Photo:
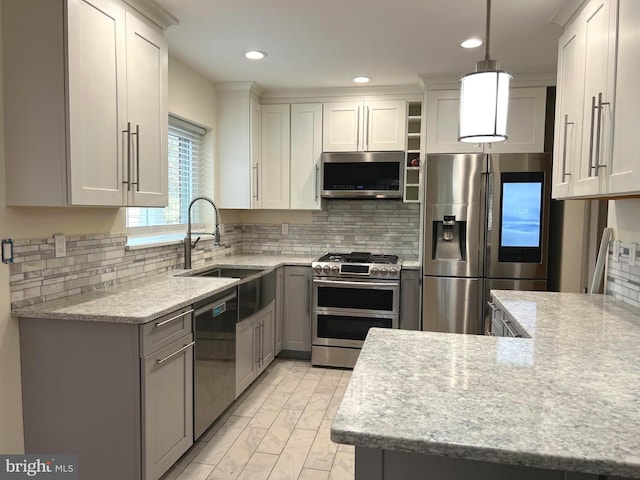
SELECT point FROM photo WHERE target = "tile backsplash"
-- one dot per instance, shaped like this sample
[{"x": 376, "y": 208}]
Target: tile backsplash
[
  {"x": 623, "y": 274},
  {"x": 378, "y": 226},
  {"x": 98, "y": 261}
]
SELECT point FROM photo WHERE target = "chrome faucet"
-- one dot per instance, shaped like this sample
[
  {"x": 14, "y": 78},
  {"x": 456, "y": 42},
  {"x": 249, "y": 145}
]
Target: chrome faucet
[{"x": 187, "y": 240}]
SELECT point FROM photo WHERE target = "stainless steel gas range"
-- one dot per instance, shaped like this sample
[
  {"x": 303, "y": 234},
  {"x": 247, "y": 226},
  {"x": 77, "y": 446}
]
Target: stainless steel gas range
[{"x": 352, "y": 292}]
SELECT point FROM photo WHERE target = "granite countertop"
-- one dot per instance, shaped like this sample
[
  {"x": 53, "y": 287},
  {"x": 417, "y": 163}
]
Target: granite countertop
[
  {"x": 566, "y": 399},
  {"x": 160, "y": 295}
]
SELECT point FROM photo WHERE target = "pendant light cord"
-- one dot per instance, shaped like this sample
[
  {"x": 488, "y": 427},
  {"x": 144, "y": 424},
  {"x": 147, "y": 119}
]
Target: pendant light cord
[{"x": 486, "y": 55}]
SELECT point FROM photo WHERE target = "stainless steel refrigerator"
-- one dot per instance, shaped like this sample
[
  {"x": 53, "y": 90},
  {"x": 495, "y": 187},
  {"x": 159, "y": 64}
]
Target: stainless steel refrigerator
[{"x": 486, "y": 227}]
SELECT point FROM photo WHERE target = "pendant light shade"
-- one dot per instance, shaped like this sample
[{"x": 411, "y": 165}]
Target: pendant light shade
[{"x": 484, "y": 100}]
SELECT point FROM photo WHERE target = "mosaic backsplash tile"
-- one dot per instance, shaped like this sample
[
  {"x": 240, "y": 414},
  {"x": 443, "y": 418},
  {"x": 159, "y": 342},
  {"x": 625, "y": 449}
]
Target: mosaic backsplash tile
[
  {"x": 98, "y": 261},
  {"x": 623, "y": 279}
]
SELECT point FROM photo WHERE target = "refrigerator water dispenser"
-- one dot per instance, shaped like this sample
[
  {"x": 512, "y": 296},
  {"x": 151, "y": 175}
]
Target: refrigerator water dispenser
[{"x": 449, "y": 233}]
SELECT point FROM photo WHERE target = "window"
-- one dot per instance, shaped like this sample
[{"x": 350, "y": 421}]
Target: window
[{"x": 189, "y": 176}]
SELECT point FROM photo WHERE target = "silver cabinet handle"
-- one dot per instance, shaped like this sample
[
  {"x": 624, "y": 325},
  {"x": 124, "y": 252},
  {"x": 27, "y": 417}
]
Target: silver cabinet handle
[
  {"x": 262, "y": 343},
  {"x": 358, "y": 131},
  {"x": 564, "y": 148},
  {"x": 159, "y": 324},
  {"x": 188, "y": 345},
  {"x": 593, "y": 108},
  {"x": 492, "y": 306},
  {"x": 317, "y": 179},
  {"x": 255, "y": 167},
  {"x": 128, "y": 180},
  {"x": 597, "y": 165},
  {"x": 366, "y": 134},
  {"x": 256, "y": 336},
  {"x": 137, "y": 135}
]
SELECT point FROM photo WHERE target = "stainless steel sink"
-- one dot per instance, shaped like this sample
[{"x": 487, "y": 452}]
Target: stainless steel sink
[{"x": 228, "y": 272}]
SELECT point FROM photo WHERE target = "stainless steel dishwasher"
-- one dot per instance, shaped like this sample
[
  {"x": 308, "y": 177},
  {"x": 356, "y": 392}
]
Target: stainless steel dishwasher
[{"x": 214, "y": 371}]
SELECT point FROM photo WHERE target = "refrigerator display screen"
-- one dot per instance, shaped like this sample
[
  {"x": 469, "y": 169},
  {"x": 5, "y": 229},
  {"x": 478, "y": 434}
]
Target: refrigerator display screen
[
  {"x": 521, "y": 210},
  {"x": 521, "y": 217}
]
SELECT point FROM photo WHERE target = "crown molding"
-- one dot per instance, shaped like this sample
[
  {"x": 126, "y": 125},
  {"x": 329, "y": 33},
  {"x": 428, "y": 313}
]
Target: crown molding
[
  {"x": 301, "y": 95},
  {"x": 520, "y": 79},
  {"x": 566, "y": 11},
  {"x": 153, "y": 12}
]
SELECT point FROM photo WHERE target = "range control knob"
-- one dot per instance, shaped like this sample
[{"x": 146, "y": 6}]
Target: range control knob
[
  {"x": 326, "y": 269},
  {"x": 317, "y": 268},
  {"x": 383, "y": 271},
  {"x": 335, "y": 269},
  {"x": 393, "y": 271},
  {"x": 374, "y": 271}
]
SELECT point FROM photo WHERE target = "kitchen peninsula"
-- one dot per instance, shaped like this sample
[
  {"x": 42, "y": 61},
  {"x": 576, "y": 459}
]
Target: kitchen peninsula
[{"x": 564, "y": 402}]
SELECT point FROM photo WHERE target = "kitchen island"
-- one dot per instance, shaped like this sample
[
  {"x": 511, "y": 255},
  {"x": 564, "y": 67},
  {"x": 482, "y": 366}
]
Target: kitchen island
[{"x": 566, "y": 400}]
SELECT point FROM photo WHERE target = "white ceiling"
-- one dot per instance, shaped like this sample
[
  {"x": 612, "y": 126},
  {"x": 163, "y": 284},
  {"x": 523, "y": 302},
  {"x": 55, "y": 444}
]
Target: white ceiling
[{"x": 324, "y": 43}]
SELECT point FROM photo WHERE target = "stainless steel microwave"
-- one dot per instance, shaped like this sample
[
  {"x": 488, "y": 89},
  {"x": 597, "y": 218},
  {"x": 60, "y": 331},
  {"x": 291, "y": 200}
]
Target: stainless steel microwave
[{"x": 362, "y": 175}]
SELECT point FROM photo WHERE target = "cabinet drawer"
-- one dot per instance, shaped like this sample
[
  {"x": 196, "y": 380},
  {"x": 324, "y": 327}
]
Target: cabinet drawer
[
  {"x": 497, "y": 327},
  {"x": 164, "y": 330}
]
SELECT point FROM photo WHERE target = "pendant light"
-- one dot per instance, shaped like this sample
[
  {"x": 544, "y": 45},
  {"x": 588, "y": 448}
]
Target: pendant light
[{"x": 484, "y": 99}]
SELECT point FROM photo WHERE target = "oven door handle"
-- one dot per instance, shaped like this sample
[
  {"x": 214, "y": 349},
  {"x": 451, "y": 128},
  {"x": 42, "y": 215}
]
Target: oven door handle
[{"x": 392, "y": 285}]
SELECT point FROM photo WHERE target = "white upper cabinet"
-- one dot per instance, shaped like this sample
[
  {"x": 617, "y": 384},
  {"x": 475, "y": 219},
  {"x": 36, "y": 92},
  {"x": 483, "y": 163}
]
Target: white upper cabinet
[
  {"x": 624, "y": 166},
  {"x": 568, "y": 123},
  {"x": 239, "y": 147},
  {"x": 69, "y": 140},
  {"x": 443, "y": 123},
  {"x": 364, "y": 126},
  {"x": 596, "y": 146},
  {"x": 273, "y": 169},
  {"x": 306, "y": 148},
  {"x": 525, "y": 123}
]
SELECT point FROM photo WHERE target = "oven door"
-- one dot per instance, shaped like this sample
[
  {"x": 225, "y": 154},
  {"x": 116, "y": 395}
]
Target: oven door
[
  {"x": 369, "y": 297},
  {"x": 340, "y": 330}
]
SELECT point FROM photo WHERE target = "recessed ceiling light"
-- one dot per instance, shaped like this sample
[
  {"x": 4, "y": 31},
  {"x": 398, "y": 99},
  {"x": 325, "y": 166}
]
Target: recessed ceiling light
[
  {"x": 362, "y": 79},
  {"x": 471, "y": 43},
  {"x": 255, "y": 55}
]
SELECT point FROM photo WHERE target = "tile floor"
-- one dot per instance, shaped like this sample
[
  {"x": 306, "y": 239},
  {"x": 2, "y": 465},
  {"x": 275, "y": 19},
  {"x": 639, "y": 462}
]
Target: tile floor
[{"x": 277, "y": 430}]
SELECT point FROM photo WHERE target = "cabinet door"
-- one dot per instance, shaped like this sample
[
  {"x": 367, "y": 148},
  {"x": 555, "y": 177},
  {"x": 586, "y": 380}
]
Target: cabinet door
[
  {"x": 254, "y": 135},
  {"x": 385, "y": 125},
  {"x": 167, "y": 400},
  {"x": 266, "y": 321},
  {"x": 146, "y": 164},
  {"x": 246, "y": 364},
  {"x": 97, "y": 101},
  {"x": 410, "y": 293},
  {"x": 342, "y": 127},
  {"x": 624, "y": 169},
  {"x": 306, "y": 147},
  {"x": 443, "y": 123},
  {"x": 274, "y": 159},
  {"x": 598, "y": 89},
  {"x": 279, "y": 308},
  {"x": 568, "y": 124},
  {"x": 296, "y": 322},
  {"x": 525, "y": 122}
]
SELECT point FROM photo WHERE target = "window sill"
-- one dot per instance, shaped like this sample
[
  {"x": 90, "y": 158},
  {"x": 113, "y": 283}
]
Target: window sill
[{"x": 151, "y": 241}]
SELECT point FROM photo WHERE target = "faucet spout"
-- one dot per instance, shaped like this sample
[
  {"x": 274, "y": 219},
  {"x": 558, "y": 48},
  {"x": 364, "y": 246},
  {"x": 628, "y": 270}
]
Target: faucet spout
[{"x": 187, "y": 240}]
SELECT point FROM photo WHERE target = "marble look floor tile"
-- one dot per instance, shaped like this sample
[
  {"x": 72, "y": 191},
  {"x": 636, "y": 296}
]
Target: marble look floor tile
[
  {"x": 259, "y": 467},
  {"x": 279, "y": 432},
  {"x": 336, "y": 399},
  {"x": 323, "y": 449},
  {"x": 289, "y": 383},
  {"x": 238, "y": 455},
  {"x": 195, "y": 471},
  {"x": 292, "y": 458},
  {"x": 328, "y": 383},
  {"x": 346, "y": 448},
  {"x": 254, "y": 400},
  {"x": 213, "y": 451},
  {"x": 314, "y": 411},
  {"x": 343, "y": 467},
  {"x": 310, "y": 474}
]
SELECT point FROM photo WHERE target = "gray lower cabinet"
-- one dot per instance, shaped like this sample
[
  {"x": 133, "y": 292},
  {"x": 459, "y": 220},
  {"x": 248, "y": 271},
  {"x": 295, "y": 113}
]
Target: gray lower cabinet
[
  {"x": 167, "y": 406},
  {"x": 254, "y": 346},
  {"x": 296, "y": 315},
  {"x": 410, "y": 301},
  {"x": 118, "y": 395},
  {"x": 279, "y": 309}
]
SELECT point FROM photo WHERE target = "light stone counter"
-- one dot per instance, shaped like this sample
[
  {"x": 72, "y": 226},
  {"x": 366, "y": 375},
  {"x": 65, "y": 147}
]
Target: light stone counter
[
  {"x": 160, "y": 295},
  {"x": 567, "y": 399}
]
